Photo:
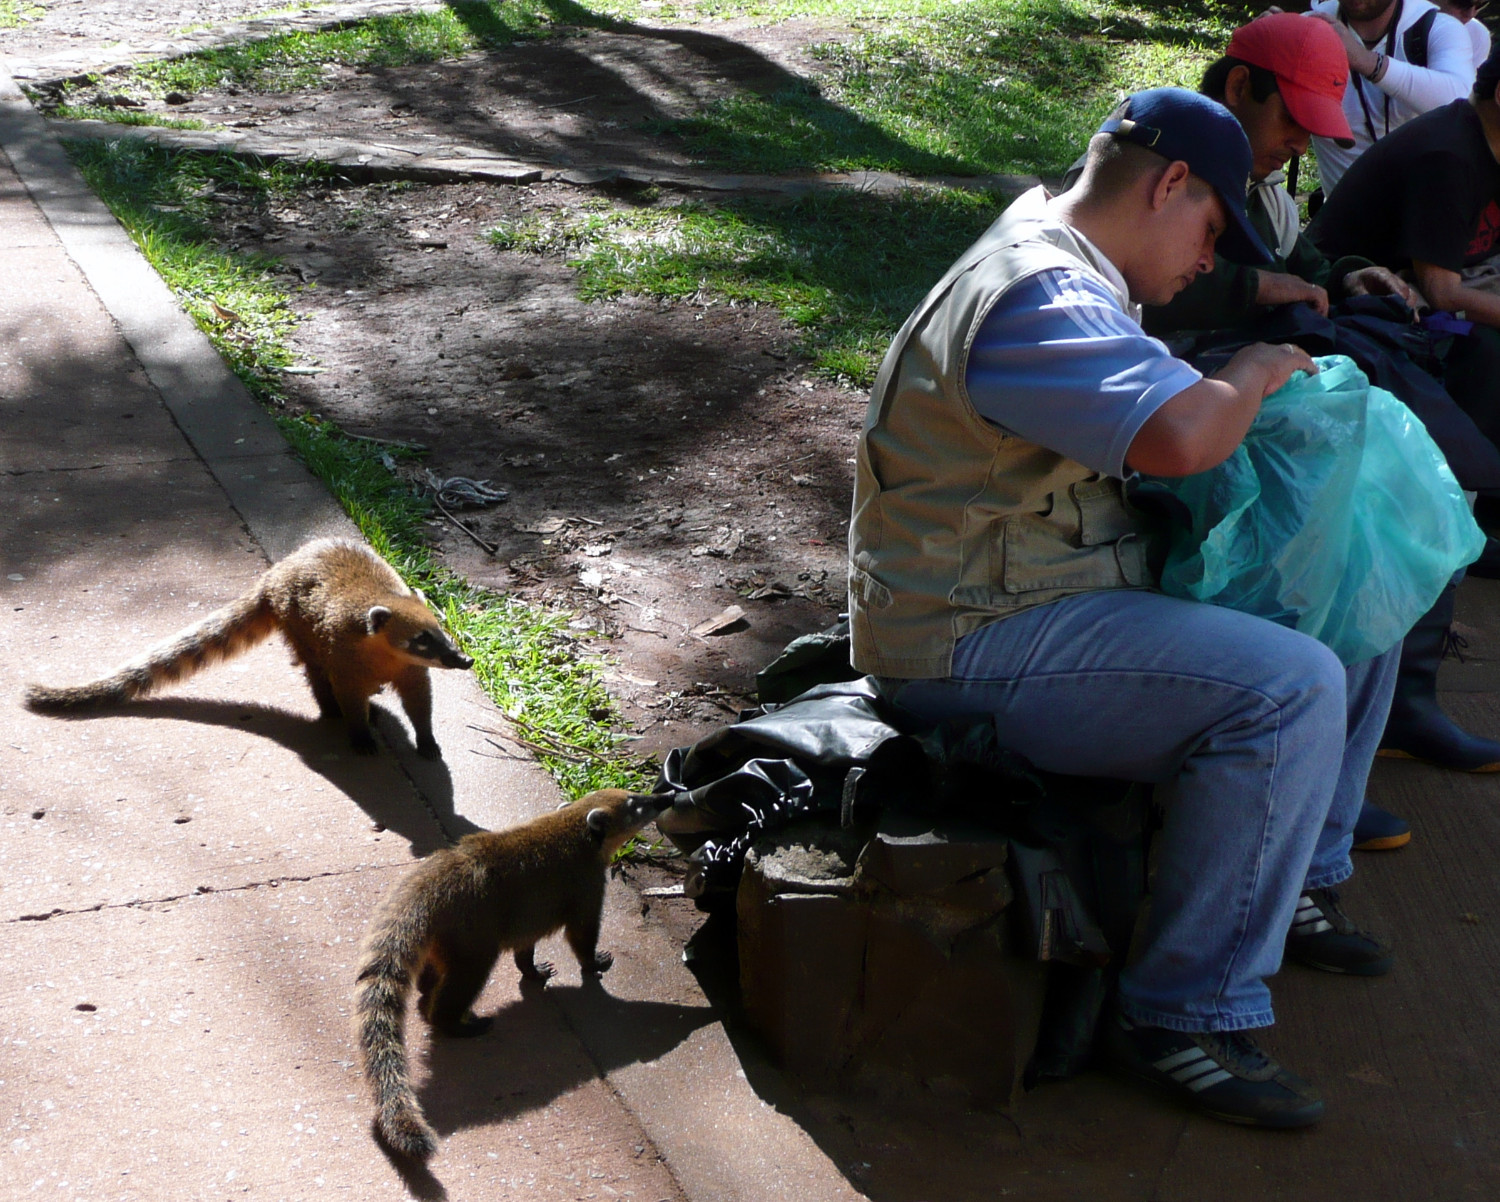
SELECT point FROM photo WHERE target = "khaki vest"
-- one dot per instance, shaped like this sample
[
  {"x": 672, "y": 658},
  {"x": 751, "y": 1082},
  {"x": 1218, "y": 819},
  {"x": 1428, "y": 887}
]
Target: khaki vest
[{"x": 957, "y": 523}]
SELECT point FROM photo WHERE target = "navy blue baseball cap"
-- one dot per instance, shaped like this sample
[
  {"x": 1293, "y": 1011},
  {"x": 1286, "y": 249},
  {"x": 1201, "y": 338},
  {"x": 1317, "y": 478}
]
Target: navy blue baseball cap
[{"x": 1182, "y": 125}]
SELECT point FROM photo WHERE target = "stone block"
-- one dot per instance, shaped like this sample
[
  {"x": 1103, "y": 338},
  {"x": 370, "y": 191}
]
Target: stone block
[
  {"x": 883, "y": 960},
  {"x": 805, "y": 934}
]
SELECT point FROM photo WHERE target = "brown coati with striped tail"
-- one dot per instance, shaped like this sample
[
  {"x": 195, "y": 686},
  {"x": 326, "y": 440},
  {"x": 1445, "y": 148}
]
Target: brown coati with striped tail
[
  {"x": 444, "y": 926},
  {"x": 351, "y": 623}
]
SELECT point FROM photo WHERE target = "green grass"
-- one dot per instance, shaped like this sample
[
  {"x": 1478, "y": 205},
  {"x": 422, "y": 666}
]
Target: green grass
[
  {"x": 927, "y": 87},
  {"x": 163, "y": 199},
  {"x": 972, "y": 88},
  {"x": 14, "y": 13},
  {"x": 525, "y": 658},
  {"x": 843, "y": 267},
  {"x": 298, "y": 61},
  {"x": 103, "y": 112}
]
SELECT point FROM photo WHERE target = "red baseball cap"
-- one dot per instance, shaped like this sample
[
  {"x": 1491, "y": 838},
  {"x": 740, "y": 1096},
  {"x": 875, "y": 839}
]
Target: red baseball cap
[{"x": 1310, "y": 65}]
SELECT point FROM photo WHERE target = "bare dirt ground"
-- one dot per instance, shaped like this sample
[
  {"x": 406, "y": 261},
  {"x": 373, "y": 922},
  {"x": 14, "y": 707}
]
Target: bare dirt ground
[{"x": 663, "y": 461}]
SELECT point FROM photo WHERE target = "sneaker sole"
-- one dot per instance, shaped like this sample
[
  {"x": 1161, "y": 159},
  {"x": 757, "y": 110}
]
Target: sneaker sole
[
  {"x": 1294, "y": 1121},
  {"x": 1375, "y": 968},
  {"x": 1385, "y": 842},
  {"x": 1289, "y": 1121},
  {"x": 1392, "y": 753}
]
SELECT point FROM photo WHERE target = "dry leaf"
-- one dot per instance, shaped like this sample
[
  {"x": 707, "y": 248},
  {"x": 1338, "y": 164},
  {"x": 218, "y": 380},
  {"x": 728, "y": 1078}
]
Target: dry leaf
[{"x": 720, "y": 622}]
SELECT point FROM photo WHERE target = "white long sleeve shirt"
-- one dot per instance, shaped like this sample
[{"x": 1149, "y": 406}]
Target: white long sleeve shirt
[
  {"x": 1479, "y": 34},
  {"x": 1404, "y": 92}
]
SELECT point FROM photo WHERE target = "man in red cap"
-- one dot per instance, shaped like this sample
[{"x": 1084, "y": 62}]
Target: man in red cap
[{"x": 1283, "y": 77}]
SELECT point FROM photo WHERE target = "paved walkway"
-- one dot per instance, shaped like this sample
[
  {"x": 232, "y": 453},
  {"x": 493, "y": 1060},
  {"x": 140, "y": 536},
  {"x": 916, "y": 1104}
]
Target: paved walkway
[{"x": 183, "y": 886}]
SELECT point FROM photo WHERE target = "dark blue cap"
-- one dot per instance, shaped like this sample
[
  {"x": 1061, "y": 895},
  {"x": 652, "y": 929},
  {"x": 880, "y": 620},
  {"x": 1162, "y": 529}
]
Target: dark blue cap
[{"x": 1182, "y": 125}]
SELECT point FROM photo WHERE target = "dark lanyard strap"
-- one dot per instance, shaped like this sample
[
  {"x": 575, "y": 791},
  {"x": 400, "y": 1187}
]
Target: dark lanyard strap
[{"x": 1359, "y": 81}]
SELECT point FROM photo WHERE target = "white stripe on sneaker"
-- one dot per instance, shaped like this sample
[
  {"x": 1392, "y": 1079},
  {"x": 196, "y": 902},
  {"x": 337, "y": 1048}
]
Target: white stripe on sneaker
[
  {"x": 1309, "y": 918},
  {"x": 1188, "y": 1073},
  {"x": 1203, "y": 1083},
  {"x": 1192, "y": 1068}
]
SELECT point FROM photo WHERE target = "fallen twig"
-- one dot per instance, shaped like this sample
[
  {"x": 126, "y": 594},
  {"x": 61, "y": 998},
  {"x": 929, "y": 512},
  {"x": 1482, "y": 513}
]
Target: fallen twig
[{"x": 490, "y": 549}]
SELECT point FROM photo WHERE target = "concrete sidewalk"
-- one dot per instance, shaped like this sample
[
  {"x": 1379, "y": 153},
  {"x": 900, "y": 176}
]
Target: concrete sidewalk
[{"x": 184, "y": 884}]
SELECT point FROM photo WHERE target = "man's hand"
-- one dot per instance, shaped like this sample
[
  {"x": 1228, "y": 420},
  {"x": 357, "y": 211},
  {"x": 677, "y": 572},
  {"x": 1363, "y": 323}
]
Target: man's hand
[
  {"x": 1446, "y": 290},
  {"x": 1262, "y": 367},
  {"x": 1362, "y": 60},
  {"x": 1282, "y": 288},
  {"x": 1200, "y": 427},
  {"x": 1381, "y": 281}
]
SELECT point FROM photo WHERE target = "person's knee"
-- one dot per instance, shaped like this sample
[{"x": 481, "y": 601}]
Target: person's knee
[
  {"x": 1318, "y": 679},
  {"x": 1297, "y": 673}
]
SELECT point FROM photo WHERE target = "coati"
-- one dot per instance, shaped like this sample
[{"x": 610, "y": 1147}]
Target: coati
[
  {"x": 444, "y": 926},
  {"x": 351, "y": 623}
]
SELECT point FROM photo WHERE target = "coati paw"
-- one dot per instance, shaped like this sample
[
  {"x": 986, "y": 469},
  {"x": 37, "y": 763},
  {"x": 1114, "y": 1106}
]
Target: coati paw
[
  {"x": 602, "y": 963},
  {"x": 540, "y": 973},
  {"x": 467, "y": 1027},
  {"x": 363, "y": 742},
  {"x": 428, "y": 748}
]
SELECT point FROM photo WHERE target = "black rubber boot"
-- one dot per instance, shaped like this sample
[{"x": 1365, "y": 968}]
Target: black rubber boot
[{"x": 1417, "y": 727}]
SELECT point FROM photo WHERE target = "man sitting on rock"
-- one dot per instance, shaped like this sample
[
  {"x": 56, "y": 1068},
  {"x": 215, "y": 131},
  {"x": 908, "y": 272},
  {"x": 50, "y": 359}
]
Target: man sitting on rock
[{"x": 997, "y": 568}]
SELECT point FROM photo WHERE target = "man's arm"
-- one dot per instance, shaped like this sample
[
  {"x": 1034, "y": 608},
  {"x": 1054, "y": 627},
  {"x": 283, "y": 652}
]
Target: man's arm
[
  {"x": 1445, "y": 290},
  {"x": 1447, "y": 77},
  {"x": 1201, "y": 426}
]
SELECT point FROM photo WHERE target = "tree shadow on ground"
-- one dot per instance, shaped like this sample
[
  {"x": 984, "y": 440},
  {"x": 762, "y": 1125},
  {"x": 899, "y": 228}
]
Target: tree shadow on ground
[{"x": 642, "y": 76}]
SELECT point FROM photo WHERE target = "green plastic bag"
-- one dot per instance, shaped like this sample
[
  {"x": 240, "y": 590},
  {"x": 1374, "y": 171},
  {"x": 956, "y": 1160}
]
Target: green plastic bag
[{"x": 1337, "y": 516}]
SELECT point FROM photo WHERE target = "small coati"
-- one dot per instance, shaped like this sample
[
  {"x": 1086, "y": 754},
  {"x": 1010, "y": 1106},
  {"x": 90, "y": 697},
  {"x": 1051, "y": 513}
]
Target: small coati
[
  {"x": 444, "y": 926},
  {"x": 351, "y": 623}
]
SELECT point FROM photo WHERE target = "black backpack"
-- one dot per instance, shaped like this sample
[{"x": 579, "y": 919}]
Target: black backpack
[{"x": 1414, "y": 40}]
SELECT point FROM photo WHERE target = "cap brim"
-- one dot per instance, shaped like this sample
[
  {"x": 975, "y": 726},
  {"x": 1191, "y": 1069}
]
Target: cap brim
[
  {"x": 1239, "y": 243},
  {"x": 1318, "y": 114}
]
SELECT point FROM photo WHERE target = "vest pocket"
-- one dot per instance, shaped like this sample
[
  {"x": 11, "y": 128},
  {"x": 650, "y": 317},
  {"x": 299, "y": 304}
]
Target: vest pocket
[
  {"x": 866, "y": 587},
  {"x": 1038, "y": 556},
  {"x": 1133, "y": 555},
  {"x": 1103, "y": 516}
]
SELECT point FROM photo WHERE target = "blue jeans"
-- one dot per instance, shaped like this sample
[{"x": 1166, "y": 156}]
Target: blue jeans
[{"x": 1259, "y": 742}]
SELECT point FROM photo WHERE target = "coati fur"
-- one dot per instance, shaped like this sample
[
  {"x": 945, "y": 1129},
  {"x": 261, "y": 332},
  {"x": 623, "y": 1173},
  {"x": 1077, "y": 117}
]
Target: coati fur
[
  {"x": 351, "y": 623},
  {"x": 444, "y": 926}
]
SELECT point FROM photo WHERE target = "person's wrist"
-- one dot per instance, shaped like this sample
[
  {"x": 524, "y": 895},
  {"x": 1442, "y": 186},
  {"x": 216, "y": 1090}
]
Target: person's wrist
[{"x": 1378, "y": 67}]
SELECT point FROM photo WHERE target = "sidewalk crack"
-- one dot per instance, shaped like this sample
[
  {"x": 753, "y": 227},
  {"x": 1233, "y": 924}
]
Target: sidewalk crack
[{"x": 199, "y": 891}]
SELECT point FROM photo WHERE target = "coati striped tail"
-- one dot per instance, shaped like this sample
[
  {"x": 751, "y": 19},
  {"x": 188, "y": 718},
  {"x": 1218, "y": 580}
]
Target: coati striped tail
[
  {"x": 223, "y": 634},
  {"x": 387, "y": 966}
]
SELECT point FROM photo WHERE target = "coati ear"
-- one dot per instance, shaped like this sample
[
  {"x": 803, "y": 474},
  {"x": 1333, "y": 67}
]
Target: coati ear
[
  {"x": 378, "y": 616},
  {"x": 598, "y": 821}
]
